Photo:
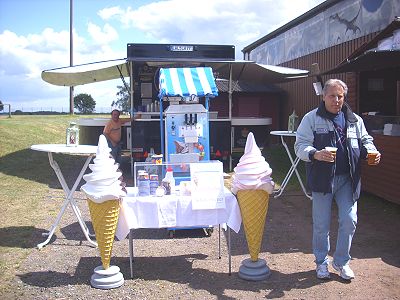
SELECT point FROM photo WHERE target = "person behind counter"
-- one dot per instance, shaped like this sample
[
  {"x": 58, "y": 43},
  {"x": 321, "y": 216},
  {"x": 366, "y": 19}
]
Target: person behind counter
[
  {"x": 112, "y": 132},
  {"x": 333, "y": 124}
]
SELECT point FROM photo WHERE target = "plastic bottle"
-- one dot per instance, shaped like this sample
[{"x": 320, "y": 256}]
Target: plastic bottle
[
  {"x": 153, "y": 183},
  {"x": 169, "y": 182},
  {"x": 143, "y": 183}
]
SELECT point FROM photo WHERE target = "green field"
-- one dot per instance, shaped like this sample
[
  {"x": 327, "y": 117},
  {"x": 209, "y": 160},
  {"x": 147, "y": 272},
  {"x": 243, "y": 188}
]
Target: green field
[{"x": 26, "y": 181}]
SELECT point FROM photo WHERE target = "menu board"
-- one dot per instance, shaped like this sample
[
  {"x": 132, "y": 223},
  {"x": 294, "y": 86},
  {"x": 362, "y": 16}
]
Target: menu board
[{"x": 207, "y": 185}]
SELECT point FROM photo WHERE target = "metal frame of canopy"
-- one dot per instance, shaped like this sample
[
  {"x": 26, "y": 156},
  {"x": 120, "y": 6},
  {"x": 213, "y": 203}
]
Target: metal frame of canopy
[{"x": 120, "y": 68}]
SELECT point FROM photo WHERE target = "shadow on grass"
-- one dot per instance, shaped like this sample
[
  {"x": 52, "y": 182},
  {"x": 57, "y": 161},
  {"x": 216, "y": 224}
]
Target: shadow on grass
[
  {"x": 24, "y": 237},
  {"x": 159, "y": 269},
  {"x": 35, "y": 166}
]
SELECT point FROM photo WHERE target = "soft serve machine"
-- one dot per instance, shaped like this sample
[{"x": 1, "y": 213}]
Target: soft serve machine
[
  {"x": 186, "y": 127},
  {"x": 187, "y": 133}
]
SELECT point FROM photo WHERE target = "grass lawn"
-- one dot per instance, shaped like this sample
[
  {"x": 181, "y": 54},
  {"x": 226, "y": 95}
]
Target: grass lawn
[{"x": 26, "y": 179}]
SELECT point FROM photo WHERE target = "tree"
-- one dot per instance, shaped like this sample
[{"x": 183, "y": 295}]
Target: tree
[
  {"x": 122, "y": 98},
  {"x": 1, "y": 106},
  {"x": 84, "y": 103}
]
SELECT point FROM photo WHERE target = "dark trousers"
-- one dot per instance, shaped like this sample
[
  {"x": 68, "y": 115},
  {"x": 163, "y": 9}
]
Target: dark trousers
[{"x": 115, "y": 151}]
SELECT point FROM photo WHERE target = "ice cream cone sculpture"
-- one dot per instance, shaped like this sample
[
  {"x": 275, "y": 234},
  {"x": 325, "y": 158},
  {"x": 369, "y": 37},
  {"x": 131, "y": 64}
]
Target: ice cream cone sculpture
[
  {"x": 253, "y": 208},
  {"x": 104, "y": 190},
  {"x": 252, "y": 183},
  {"x": 104, "y": 219}
]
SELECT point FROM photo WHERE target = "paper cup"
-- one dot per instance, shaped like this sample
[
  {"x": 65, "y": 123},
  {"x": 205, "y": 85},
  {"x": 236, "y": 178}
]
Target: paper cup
[
  {"x": 332, "y": 150},
  {"x": 371, "y": 157}
]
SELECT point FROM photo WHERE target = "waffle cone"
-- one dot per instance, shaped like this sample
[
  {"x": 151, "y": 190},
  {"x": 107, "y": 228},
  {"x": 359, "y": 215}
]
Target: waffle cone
[
  {"x": 253, "y": 208},
  {"x": 104, "y": 219}
]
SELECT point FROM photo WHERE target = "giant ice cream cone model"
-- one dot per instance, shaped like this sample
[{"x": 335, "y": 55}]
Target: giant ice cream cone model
[
  {"x": 252, "y": 183},
  {"x": 253, "y": 208},
  {"x": 104, "y": 218},
  {"x": 104, "y": 190}
]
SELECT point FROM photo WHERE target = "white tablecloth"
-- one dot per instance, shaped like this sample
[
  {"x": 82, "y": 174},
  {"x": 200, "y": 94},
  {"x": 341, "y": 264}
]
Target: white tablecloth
[{"x": 174, "y": 211}]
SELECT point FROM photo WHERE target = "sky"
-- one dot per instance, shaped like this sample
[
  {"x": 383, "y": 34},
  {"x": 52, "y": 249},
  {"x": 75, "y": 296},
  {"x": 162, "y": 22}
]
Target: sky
[{"x": 34, "y": 36}]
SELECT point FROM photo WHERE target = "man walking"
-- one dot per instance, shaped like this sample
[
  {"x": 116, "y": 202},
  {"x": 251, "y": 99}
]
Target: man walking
[{"x": 333, "y": 176}]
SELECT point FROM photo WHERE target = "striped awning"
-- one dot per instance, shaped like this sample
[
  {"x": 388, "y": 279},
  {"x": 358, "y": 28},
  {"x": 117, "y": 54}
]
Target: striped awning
[{"x": 187, "y": 82}]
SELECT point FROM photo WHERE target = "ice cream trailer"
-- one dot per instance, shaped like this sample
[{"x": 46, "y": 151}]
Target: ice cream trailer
[{"x": 142, "y": 66}]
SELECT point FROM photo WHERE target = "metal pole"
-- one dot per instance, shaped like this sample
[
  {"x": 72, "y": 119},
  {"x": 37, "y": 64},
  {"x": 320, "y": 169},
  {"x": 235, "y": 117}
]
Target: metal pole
[
  {"x": 230, "y": 115},
  {"x": 71, "y": 56},
  {"x": 130, "y": 66}
]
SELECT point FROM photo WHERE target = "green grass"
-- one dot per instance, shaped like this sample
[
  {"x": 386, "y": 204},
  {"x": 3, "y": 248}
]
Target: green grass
[
  {"x": 25, "y": 178},
  {"x": 279, "y": 161}
]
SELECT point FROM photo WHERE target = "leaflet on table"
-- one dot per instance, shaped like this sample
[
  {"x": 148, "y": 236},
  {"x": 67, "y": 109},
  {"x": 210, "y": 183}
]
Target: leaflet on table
[{"x": 207, "y": 186}]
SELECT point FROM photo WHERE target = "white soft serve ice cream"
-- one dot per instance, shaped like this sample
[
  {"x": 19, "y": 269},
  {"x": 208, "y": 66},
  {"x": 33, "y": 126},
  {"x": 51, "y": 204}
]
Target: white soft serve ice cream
[
  {"x": 252, "y": 172},
  {"x": 103, "y": 183}
]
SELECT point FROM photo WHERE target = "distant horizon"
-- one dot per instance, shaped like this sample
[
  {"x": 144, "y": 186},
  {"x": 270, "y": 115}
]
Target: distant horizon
[{"x": 55, "y": 109}]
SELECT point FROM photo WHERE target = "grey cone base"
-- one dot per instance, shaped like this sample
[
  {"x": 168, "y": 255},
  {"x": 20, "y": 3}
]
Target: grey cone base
[
  {"x": 254, "y": 270},
  {"x": 107, "y": 279}
]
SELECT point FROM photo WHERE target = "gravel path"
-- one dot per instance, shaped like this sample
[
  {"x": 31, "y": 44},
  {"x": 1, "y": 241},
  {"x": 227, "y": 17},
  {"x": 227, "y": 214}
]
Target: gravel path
[{"x": 187, "y": 266}]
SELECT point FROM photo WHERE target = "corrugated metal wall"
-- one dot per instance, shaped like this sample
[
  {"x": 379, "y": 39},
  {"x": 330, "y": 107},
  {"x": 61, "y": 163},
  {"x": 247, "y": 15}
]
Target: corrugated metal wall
[{"x": 300, "y": 93}]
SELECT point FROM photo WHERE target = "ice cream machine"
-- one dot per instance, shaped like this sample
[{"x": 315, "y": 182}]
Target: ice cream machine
[{"x": 186, "y": 133}]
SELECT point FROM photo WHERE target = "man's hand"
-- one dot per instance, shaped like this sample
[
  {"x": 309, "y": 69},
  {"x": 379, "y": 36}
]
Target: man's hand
[{"x": 324, "y": 155}]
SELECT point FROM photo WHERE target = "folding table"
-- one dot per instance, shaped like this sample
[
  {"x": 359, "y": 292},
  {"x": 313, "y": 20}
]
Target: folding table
[
  {"x": 174, "y": 211},
  {"x": 293, "y": 167},
  {"x": 80, "y": 150}
]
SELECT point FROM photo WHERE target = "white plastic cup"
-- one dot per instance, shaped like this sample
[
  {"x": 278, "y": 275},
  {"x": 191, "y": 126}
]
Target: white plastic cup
[{"x": 332, "y": 150}]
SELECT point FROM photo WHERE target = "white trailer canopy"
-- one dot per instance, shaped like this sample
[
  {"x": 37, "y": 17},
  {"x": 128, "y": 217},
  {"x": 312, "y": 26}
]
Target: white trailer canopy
[{"x": 236, "y": 70}]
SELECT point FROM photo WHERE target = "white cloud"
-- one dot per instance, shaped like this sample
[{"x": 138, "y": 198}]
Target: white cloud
[
  {"x": 237, "y": 22},
  {"x": 23, "y": 58},
  {"x": 108, "y": 13},
  {"x": 102, "y": 36}
]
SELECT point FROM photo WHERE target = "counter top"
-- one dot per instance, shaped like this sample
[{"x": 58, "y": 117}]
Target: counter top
[
  {"x": 240, "y": 121},
  {"x": 97, "y": 122}
]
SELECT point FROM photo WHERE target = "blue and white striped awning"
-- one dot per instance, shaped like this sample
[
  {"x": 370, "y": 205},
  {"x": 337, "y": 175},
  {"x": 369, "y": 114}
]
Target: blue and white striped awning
[{"x": 187, "y": 82}]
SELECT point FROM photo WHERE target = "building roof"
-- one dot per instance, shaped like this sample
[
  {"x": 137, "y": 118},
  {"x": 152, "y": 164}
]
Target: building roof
[
  {"x": 308, "y": 15},
  {"x": 368, "y": 57},
  {"x": 243, "y": 86}
]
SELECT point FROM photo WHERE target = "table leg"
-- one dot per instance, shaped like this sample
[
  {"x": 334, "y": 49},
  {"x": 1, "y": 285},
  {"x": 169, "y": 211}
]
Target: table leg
[
  {"x": 131, "y": 252},
  {"x": 75, "y": 207},
  {"x": 287, "y": 178},
  {"x": 54, "y": 226},
  {"x": 68, "y": 200},
  {"x": 292, "y": 169},
  {"x": 229, "y": 251},
  {"x": 84, "y": 228},
  {"x": 219, "y": 241}
]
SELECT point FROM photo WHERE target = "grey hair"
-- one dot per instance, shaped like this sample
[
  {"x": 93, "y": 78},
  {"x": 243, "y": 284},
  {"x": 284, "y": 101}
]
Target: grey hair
[{"x": 334, "y": 82}]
